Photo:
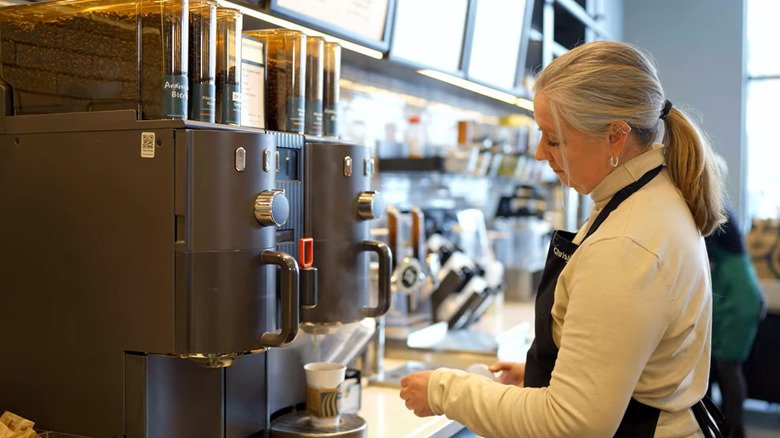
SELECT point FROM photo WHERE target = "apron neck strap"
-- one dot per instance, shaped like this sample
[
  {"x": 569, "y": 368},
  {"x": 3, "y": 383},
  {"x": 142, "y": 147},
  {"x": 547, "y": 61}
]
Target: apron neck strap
[{"x": 621, "y": 196}]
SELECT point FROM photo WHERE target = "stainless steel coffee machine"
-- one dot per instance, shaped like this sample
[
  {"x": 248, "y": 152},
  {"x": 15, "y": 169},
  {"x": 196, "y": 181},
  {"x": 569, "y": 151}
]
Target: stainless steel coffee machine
[{"x": 140, "y": 291}]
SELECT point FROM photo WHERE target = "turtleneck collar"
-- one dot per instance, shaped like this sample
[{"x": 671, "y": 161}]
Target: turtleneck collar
[{"x": 626, "y": 174}]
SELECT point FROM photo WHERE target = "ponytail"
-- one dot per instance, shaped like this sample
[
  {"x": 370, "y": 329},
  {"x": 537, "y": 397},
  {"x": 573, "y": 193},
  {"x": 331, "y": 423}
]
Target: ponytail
[
  {"x": 593, "y": 85},
  {"x": 692, "y": 166}
]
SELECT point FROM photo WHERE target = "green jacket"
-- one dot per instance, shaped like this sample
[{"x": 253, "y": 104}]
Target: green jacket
[{"x": 737, "y": 299}]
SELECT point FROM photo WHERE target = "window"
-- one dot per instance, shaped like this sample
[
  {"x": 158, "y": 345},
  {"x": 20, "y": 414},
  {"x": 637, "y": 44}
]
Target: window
[{"x": 763, "y": 108}]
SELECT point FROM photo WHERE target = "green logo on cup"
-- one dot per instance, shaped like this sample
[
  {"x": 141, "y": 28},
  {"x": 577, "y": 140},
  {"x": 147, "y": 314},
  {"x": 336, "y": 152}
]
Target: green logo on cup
[{"x": 323, "y": 403}]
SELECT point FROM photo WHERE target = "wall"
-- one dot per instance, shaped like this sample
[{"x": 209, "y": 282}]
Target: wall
[
  {"x": 609, "y": 14},
  {"x": 699, "y": 49}
]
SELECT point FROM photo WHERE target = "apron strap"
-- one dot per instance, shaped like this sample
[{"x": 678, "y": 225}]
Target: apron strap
[
  {"x": 709, "y": 417},
  {"x": 621, "y": 196}
]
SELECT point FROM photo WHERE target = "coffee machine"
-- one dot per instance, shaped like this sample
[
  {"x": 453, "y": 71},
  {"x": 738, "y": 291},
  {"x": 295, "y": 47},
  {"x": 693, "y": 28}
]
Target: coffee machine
[
  {"x": 338, "y": 205},
  {"x": 148, "y": 285}
]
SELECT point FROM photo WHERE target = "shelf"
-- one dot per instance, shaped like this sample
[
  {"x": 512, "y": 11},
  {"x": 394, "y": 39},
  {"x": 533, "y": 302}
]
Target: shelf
[
  {"x": 430, "y": 164},
  {"x": 535, "y": 34},
  {"x": 580, "y": 14},
  {"x": 558, "y": 50}
]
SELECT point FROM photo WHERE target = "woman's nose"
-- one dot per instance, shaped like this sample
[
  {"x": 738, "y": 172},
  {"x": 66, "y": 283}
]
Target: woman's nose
[{"x": 540, "y": 154}]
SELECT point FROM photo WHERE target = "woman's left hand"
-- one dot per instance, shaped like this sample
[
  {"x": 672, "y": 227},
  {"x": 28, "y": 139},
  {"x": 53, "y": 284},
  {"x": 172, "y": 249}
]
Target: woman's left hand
[{"x": 414, "y": 390}]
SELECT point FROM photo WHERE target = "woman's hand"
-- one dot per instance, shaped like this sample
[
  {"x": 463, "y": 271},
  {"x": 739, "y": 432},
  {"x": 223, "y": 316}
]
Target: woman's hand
[
  {"x": 512, "y": 373},
  {"x": 414, "y": 390}
]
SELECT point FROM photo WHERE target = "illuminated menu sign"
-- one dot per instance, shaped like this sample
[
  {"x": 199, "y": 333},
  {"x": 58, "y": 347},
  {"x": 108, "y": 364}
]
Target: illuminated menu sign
[
  {"x": 365, "y": 18},
  {"x": 430, "y": 33},
  {"x": 495, "y": 45}
]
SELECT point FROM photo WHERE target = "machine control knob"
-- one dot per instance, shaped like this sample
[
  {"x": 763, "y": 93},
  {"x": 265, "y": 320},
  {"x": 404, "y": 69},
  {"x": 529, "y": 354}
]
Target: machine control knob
[
  {"x": 370, "y": 205},
  {"x": 272, "y": 208}
]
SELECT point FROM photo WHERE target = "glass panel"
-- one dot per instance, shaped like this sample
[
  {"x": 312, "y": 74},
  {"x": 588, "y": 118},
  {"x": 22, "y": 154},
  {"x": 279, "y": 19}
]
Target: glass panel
[
  {"x": 763, "y": 185},
  {"x": 763, "y": 36}
]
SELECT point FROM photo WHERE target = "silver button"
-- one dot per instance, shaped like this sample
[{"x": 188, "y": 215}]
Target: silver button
[
  {"x": 240, "y": 159},
  {"x": 368, "y": 166},
  {"x": 347, "y": 166},
  {"x": 267, "y": 160}
]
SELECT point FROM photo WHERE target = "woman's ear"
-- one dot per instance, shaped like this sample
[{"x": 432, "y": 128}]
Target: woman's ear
[{"x": 618, "y": 136}]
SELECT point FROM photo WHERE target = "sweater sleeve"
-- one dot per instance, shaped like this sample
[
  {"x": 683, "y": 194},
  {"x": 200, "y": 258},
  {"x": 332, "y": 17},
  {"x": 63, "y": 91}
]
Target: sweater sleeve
[{"x": 618, "y": 304}]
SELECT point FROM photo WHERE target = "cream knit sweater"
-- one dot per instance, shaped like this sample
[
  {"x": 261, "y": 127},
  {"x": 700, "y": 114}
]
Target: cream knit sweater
[{"x": 631, "y": 319}]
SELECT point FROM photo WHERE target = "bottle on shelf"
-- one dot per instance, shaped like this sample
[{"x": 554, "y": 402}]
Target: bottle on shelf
[
  {"x": 415, "y": 138},
  {"x": 463, "y": 157}
]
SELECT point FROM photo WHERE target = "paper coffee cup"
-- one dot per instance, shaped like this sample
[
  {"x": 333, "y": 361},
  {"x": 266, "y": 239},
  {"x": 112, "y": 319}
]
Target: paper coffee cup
[{"x": 323, "y": 392}]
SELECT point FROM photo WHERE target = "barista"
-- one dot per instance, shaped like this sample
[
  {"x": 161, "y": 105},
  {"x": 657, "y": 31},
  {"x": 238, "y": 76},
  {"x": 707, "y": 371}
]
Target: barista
[{"x": 623, "y": 309}]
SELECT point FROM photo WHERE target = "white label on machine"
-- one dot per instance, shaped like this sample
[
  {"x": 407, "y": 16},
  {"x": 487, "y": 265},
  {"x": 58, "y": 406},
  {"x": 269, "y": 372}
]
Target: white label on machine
[
  {"x": 147, "y": 145},
  {"x": 252, "y": 83}
]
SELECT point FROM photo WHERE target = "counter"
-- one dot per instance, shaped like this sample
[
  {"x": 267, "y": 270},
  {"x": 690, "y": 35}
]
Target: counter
[
  {"x": 385, "y": 412},
  {"x": 387, "y": 417}
]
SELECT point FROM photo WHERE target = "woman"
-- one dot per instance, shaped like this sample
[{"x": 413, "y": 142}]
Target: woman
[
  {"x": 623, "y": 310},
  {"x": 737, "y": 308}
]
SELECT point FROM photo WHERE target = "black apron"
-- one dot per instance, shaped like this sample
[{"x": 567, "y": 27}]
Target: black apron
[{"x": 639, "y": 420}]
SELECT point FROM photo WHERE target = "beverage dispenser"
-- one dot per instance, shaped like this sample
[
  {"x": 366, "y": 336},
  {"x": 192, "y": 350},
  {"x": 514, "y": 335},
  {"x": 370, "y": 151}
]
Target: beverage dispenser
[
  {"x": 155, "y": 275},
  {"x": 149, "y": 280},
  {"x": 143, "y": 268},
  {"x": 338, "y": 206}
]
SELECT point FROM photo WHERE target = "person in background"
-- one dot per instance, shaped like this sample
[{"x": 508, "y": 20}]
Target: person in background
[
  {"x": 623, "y": 311},
  {"x": 737, "y": 308}
]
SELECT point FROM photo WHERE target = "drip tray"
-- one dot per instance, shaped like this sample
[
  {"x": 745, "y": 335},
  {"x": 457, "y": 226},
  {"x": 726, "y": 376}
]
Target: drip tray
[{"x": 298, "y": 424}]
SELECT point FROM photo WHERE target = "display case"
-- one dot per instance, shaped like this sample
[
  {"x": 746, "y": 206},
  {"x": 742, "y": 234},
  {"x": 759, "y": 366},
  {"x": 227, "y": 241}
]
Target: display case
[
  {"x": 202, "y": 59},
  {"x": 230, "y": 24},
  {"x": 285, "y": 103},
  {"x": 95, "y": 55}
]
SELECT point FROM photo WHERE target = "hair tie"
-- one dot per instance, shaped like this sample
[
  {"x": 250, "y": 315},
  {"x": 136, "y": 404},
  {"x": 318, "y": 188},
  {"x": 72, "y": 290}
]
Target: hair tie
[{"x": 665, "y": 110}]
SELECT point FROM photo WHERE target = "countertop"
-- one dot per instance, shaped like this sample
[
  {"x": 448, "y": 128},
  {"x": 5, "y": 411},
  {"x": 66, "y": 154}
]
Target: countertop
[
  {"x": 387, "y": 417},
  {"x": 385, "y": 412}
]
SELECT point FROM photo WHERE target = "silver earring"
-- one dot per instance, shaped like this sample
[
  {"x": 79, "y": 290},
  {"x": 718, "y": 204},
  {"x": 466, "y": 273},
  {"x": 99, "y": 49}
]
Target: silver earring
[
  {"x": 626, "y": 129},
  {"x": 613, "y": 161}
]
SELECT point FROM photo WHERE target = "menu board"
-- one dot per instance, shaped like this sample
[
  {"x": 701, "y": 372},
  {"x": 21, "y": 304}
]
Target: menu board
[
  {"x": 364, "y": 18},
  {"x": 430, "y": 33},
  {"x": 496, "y": 43}
]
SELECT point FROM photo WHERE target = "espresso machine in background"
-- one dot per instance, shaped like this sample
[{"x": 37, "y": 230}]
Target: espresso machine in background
[
  {"x": 140, "y": 293},
  {"x": 414, "y": 272}
]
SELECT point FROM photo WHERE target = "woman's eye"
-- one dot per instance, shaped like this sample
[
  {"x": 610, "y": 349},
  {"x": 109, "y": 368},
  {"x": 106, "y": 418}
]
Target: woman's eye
[{"x": 548, "y": 141}]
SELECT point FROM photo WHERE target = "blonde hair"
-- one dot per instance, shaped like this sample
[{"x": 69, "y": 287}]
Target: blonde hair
[{"x": 596, "y": 84}]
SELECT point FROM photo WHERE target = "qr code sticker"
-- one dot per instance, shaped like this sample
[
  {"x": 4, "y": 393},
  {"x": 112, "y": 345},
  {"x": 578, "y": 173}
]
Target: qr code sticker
[{"x": 147, "y": 144}]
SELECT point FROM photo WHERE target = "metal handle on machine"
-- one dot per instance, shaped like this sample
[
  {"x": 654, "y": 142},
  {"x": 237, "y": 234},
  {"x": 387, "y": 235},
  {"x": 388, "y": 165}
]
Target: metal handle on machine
[
  {"x": 418, "y": 235},
  {"x": 385, "y": 270},
  {"x": 290, "y": 315}
]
